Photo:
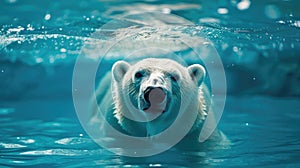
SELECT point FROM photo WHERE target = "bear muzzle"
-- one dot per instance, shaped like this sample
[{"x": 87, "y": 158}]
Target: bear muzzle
[{"x": 154, "y": 99}]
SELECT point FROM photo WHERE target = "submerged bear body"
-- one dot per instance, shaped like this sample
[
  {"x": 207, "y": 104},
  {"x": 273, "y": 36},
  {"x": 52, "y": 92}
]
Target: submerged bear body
[{"x": 145, "y": 98}]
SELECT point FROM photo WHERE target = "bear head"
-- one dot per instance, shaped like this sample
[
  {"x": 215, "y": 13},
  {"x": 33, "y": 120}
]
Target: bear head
[{"x": 149, "y": 94}]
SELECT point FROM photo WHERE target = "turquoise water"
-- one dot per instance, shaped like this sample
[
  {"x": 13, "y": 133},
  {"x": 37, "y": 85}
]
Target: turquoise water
[
  {"x": 258, "y": 43},
  {"x": 50, "y": 135}
]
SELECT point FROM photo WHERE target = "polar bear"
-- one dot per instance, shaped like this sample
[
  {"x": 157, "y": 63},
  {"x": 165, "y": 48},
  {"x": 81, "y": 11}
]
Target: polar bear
[{"x": 143, "y": 99}]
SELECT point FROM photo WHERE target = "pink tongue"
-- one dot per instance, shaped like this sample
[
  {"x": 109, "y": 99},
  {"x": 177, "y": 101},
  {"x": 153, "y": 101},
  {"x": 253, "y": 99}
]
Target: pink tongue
[
  {"x": 157, "y": 99},
  {"x": 156, "y": 96}
]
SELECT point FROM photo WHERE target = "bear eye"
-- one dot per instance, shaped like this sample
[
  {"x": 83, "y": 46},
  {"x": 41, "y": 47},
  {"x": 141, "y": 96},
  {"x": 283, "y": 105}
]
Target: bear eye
[
  {"x": 138, "y": 75},
  {"x": 174, "y": 77}
]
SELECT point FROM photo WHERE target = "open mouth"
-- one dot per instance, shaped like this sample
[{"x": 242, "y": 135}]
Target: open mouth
[{"x": 155, "y": 100}]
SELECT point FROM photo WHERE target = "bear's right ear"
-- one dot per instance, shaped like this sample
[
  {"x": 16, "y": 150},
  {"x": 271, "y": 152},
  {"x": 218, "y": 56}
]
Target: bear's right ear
[
  {"x": 119, "y": 69},
  {"x": 197, "y": 73}
]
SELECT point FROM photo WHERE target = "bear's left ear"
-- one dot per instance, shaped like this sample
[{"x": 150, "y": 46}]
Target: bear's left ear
[
  {"x": 197, "y": 73},
  {"x": 119, "y": 69}
]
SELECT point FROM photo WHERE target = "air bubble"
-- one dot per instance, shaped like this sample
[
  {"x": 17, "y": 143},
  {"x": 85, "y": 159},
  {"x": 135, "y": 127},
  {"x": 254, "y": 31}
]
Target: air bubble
[
  {"x": 47, "y": 17},
  {"x": 222, "y": 11},
  {"x": 39, "y": 60},
  {"x": 63, "y": 50},
  {"x": 244, "y": 4},
  {"x": 235, "y": 49}
]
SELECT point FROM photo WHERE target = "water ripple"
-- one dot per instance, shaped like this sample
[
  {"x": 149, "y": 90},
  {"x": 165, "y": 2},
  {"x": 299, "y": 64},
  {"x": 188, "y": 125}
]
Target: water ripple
[
  {"x": 60, "y": 152},
  {"x": 73, "y": 141},
  {"x": 11, "y": 145}
]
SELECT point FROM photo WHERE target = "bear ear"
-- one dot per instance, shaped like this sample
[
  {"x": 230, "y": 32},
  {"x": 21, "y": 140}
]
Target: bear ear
[
  {"x": 197, "y": 73},
  {"x": 119, "y": 69}
]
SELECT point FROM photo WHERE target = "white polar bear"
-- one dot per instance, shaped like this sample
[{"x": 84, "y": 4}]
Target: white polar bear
[{"x": 145, "y": 98}]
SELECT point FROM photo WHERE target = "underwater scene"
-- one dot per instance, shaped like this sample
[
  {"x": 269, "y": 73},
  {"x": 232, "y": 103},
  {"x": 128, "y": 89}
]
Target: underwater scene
[{"x": 55, "y": 55}]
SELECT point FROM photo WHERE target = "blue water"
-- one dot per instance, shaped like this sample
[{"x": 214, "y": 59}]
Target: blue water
[{"x": 258, "y": 42}]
